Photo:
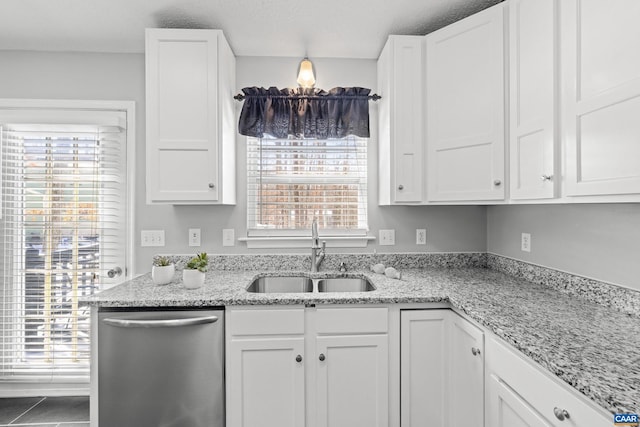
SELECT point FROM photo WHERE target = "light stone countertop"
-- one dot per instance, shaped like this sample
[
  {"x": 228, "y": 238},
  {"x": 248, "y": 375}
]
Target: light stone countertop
[{"x": 591, "y": 347}]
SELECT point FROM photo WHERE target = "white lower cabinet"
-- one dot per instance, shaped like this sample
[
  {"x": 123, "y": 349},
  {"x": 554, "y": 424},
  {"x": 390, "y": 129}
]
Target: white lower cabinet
[
  {"x": 520, "y": 394},
  {"x": 334, "y": 366},
  {"x": 441, "y": 370},
  {"x": 506, "y": 409},
  {"x": 352, "y": 380},
  {"x": 324, "y": 367},
  {"x": 269, "y": 390},
  {"x": 466, "y": 373}
]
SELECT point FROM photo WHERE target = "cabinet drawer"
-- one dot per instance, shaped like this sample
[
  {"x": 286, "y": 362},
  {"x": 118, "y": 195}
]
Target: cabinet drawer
[
  {"x": 352, "y": 320},
  {"x": 267, "y": 321},
  {"x": 539, "y": 390}
]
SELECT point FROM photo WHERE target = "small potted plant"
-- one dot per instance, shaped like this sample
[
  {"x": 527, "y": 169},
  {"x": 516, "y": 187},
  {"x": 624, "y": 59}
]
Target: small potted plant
[
  {"x": 162, "y": 270},
  {"x": 194, "y": 270}
]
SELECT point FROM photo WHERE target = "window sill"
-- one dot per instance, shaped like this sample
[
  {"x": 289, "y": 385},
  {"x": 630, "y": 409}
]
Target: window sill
[{"x": 271, "y": 242}]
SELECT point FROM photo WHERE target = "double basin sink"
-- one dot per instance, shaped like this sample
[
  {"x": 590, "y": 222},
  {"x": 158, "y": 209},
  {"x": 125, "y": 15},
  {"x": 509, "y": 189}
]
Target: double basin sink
[{"x": 299, "y": 284}]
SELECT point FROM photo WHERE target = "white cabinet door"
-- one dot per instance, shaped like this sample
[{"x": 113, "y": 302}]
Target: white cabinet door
[
  {"x": 352, "y": 381},
  {"x": 190, "y": 77},
  {"x": 465, "y": 109},
  {"x": 424, "y": 353},
  {"x": 401, "y": 128},
  {"x": 266, "y": 382},
  {"x": 533, "y": 78},
  {"x": 506, "y": 409},
  {"x": 466, "y": 374},
  {"x": 554, "y": 402},
  {"x": 601, "y": 96}
]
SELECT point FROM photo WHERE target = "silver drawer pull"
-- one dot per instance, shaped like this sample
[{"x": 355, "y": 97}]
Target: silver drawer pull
[{"x": 165, "y": 323}]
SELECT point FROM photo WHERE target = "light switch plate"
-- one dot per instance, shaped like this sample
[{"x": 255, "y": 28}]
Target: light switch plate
[
  {"x": 228, "y": 237},
  {"x": 525, "y": 242},
  {"x": 152, "y": 238},
  {"x": 387, "y": 237},
  {"x": 194, "y": 237}
]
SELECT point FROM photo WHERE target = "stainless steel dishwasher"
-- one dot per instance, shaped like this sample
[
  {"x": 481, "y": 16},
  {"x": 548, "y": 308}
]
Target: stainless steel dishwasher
[{"x": 161, "y": 368}]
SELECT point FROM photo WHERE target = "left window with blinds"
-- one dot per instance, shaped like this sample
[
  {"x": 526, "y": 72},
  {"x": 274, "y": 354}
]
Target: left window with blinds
[{"x": 63, "y": 223}]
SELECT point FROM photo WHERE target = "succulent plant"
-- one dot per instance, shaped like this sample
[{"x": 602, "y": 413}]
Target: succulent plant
[
  {"x": 199, "y": 262},
  {"x": 162, "y": 261}
]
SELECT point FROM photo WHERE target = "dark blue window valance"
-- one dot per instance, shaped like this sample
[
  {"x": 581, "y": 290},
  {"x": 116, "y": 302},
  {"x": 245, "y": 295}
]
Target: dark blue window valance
[{"x": 305, "y": 113}]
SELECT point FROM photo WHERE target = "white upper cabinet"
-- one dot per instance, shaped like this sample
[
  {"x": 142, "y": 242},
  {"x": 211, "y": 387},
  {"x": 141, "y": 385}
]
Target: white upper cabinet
[
  {"x": 400, "y": 118},
  {"x": 601, "y": 96},
  {"x": 465, "y": 109},
  {"x": 190, "y": 83},
  {"x": 533, "y": 75}
]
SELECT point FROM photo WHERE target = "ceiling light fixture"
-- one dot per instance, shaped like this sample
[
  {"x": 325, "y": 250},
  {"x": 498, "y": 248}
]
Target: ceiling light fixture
[{"x": 306, "y": 74}]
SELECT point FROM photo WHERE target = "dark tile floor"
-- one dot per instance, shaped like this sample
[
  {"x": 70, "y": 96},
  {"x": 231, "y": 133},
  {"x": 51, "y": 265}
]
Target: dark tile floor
[{"x": 45, "y": 411}]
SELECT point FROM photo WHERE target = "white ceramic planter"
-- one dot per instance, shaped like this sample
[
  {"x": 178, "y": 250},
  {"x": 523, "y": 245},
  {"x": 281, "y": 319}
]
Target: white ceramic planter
[
  {"x": 161, "y": 275},
  {"x": 192, "y": 279}
]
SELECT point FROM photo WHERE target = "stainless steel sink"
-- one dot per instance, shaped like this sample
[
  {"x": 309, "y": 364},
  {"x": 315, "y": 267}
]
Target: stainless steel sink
[
  {"x": 281, "y": 284},
  {"x": 345, "y": 284}
]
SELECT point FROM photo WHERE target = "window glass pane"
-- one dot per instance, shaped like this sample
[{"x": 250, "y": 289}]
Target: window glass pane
[
  {"x": 58, "y": 213},
  {"x": 290, "y": 182}
]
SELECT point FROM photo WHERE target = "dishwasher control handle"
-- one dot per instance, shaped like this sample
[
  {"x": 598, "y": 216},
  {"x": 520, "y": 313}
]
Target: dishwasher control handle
[{"x": 163, "y": 323}]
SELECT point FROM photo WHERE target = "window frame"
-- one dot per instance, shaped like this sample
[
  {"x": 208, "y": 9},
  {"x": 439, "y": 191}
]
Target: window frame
[
  {"x": 81, "y": 385},
  {"x": 296, "y": 238}
]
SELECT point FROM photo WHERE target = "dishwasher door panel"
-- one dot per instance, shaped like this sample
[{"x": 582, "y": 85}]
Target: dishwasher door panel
[{"x": 161, "y": 375}]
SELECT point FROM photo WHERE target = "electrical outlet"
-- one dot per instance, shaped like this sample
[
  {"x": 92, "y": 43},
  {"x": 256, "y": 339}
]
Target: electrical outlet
[
  {"x": 525, "y": 242},
  {"x": 194, "y": 237},
  {"x": 152, "y": 238},
  {"x": 387, "y": 237},
  {"x": 228, "y": 237},
  {"x": 421, "y": 236}
]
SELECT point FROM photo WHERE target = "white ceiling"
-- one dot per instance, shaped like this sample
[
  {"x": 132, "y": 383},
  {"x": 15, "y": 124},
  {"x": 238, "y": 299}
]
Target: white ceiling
[{"x": 317, "y": 28}]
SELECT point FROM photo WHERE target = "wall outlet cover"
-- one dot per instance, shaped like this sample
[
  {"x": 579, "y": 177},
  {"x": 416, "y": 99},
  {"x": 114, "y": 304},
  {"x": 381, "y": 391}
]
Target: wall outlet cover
[
  {"x": 194, "y": 237},
  {"x": 228, "y": 237},
  {"x": 421, "y": 236}
]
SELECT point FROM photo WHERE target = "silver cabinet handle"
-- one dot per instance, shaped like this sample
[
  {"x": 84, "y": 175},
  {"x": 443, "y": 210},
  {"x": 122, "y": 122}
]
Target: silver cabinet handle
[
  {"x": 475, "y": 351},
  {"x": 299, "y": 358},
  {"x": 212, "y": 185},
  {"x": 497, "y": 182},
  {"x": 164, "y": 323},
  {"x": 400, "y": 187},
  {"x": 114, "y": 272},
  {"x": 546, "y": 177},
  {"x": 561, "y": 414},
  {"x": 321, "y": 357}
]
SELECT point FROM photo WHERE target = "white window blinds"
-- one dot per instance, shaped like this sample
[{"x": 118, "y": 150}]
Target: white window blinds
[
  {"x": 291, "y": 181},
  {"x": 63, "y": 196}
]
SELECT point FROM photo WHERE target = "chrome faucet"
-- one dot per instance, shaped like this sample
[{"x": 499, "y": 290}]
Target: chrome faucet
[{"x": 317, "y": 252}]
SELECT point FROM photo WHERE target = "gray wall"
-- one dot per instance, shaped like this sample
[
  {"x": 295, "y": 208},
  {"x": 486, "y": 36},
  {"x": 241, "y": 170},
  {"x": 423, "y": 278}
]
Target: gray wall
[
  {"x": 121, "y": 77},
  {"x": 601, "y": 241}
]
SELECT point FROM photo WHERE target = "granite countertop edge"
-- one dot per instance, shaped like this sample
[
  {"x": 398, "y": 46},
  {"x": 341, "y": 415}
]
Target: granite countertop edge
[{"x": 569, "y": 337}]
